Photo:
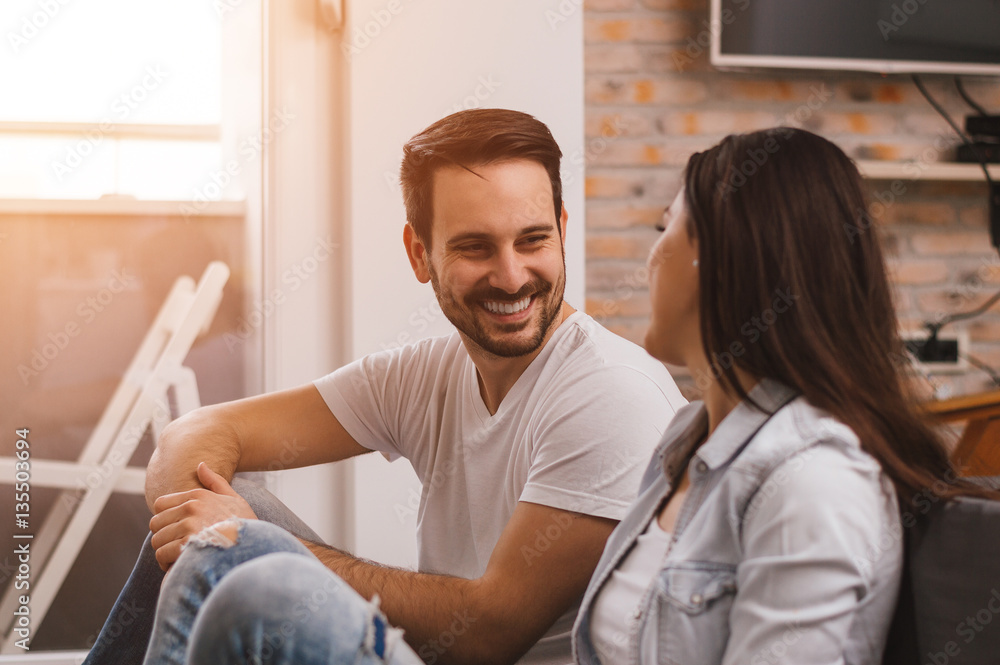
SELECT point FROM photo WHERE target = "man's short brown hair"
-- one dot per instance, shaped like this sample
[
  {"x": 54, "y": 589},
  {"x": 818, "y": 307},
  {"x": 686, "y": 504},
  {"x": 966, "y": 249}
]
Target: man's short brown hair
[{"x": 473, "y": 138}]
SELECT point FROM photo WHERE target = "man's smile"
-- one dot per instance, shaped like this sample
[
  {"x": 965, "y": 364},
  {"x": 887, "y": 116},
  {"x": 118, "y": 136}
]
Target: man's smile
[{"x": 507, "y": 308}]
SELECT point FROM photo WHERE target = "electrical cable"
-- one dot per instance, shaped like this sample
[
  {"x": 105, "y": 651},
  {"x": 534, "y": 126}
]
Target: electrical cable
[
  {"x": 968, "y": 100},
  {"x": 979, "y": 364},
  {"x": 962, "y": 316},
  {"x": 994, "y": 208},
  {"x": 958, "y": 130},
  {"x": 993, "y": 193}
]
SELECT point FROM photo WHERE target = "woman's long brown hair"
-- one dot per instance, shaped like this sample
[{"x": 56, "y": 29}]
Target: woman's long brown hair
[{"x": 791, "y": 267}]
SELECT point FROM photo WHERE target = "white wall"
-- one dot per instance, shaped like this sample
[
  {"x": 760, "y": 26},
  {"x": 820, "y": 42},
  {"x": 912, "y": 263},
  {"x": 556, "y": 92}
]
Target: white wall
[
  {"x": 305, "y": 181},
  {"x": 410, "y": 63}
]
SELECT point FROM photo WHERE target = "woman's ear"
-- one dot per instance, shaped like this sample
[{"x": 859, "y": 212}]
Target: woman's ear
[{"x": 416, "y": 251}]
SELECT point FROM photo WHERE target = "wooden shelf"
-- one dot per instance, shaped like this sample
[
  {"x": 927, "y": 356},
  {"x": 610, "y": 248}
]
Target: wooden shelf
[
  {"x": 965, "y": 407},
  {"x": 978, "y": 449},
  {"x": 879, "y": 170},
  {"x": 122, "y": 206}
]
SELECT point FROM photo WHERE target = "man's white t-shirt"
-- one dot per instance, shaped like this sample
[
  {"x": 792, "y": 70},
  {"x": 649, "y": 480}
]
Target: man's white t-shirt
[{"x": 574, "y": 432}]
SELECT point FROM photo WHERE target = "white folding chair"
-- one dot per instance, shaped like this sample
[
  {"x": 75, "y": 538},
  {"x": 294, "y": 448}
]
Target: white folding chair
[{"x": 141, "y": 401}]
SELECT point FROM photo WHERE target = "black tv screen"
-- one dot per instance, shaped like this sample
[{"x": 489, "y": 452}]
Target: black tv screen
[{"x": 947, "y": 36}]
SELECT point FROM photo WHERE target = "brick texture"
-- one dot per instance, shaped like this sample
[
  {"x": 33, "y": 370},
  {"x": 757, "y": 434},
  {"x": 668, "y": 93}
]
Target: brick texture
[{"x": 652, "y": 99}]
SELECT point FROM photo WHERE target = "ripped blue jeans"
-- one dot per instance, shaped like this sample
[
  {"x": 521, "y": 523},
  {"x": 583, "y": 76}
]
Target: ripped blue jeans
[
  {"x": 246, "y": 603},
  {"x": 265, "y": 599}
]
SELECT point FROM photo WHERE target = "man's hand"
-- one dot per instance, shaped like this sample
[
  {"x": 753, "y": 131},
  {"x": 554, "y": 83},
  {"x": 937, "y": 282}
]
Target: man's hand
[{"x": 183, "y": 514}]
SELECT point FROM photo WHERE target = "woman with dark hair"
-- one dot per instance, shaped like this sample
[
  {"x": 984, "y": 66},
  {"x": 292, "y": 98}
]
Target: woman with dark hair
[{"x": 767, "y": 527}]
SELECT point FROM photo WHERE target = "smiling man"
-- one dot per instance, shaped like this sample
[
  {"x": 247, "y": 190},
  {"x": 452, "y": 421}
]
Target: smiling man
[{"x": 528, "y": 428}]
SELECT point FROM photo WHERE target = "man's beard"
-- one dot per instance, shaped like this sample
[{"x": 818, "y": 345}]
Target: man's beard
[{"x": 471, "y": 319}]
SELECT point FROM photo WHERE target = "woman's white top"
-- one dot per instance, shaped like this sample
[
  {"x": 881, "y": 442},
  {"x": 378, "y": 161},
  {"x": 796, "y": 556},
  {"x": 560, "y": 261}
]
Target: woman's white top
[{"x": 617, "y": 607}]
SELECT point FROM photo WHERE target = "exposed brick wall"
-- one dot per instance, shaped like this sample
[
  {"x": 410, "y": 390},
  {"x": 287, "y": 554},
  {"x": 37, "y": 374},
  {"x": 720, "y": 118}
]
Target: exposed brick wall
[{"x": 652, "y": 99}]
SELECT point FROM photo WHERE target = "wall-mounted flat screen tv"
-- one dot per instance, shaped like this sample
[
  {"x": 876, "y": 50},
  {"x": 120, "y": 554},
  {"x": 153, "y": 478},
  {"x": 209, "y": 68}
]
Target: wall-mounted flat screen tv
[{"x": 887, "y": 36}]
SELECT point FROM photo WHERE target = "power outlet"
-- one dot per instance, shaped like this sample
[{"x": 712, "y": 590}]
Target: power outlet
[{"x": 944, "y": 355}]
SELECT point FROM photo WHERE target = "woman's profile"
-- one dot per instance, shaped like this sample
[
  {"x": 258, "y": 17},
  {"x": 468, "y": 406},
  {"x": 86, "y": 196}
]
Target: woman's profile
[{"x": 767, "y": 528}]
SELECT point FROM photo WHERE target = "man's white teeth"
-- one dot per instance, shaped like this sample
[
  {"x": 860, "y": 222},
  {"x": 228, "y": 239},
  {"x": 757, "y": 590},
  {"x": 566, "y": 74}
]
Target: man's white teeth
[{"x": 506, "y": 307}]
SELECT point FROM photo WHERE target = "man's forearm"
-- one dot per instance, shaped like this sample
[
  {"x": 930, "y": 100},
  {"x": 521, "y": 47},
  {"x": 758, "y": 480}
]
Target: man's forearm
[
  {"x": 445, "y": 618},
  {"x": 282, "y": 430},
  {"x": 199, "y": 436}
]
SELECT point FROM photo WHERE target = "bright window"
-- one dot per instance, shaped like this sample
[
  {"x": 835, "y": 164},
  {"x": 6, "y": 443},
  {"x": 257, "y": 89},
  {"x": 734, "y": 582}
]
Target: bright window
[
  {"x": 116, "y": 118},
  {"x": 100, "y": 95}
]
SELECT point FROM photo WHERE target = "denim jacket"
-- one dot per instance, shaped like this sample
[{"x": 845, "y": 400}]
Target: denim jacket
[{"x": 787, "y": 548}]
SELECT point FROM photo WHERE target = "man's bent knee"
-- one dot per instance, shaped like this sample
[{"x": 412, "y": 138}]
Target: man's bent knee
[
  {"x": 216, "y": 550},
  {"x": 282, "y": 607},
  {"x": 282, "y": 603}
]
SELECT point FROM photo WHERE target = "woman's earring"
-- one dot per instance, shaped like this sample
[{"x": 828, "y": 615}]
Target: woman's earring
[{"x": 695, "y": 263}]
